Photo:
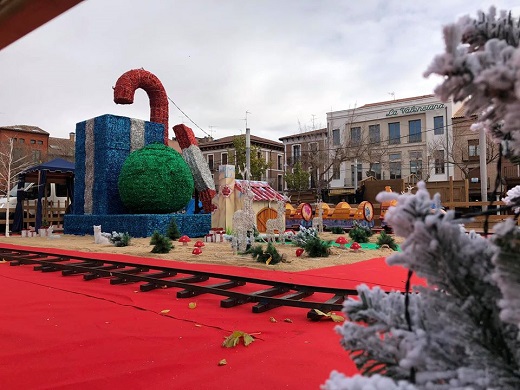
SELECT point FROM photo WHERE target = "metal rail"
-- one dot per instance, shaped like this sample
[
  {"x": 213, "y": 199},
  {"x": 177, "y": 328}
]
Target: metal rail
[{"x": 269, "y": 295}]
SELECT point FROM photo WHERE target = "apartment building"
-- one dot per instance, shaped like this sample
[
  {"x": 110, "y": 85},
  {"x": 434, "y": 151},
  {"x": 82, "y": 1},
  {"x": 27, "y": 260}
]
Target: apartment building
[
  {"x": 465, "y": 154},
  {"x": 30, "y": 147},
  {"x": 397, "y": 139},
  {"x": 310, "y": 149},
  {"x": 221, "y": 151}
]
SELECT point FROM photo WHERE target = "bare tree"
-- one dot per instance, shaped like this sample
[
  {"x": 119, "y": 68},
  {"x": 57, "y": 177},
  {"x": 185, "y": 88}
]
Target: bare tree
[
  {"x": 13, "y": 160},
  {"x": 370, "y": 150},
  {"x": 463, "y": 151},
  {"x": 320, "y": 163}
]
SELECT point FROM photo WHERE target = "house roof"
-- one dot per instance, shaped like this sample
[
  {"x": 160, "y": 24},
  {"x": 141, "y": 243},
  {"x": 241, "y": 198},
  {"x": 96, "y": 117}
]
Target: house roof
[
  {"x": 461, "y": 112},
  {"x": 24, "y": 129},
  {"x": 305, "y": 134},
  {"x": 262, "y": 190},
  {"x": 61, "y": 146},
  {"x": 229, "y": 141}
]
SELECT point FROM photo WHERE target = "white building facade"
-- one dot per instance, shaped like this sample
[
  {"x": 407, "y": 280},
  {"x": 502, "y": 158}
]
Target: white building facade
[{"x": 397, "y": 139}]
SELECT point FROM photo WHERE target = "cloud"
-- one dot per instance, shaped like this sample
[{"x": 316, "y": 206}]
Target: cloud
[{"x": 284, "y": 61}]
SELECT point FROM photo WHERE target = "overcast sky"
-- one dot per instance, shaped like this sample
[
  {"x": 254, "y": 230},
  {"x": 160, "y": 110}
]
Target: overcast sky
[{"x": 287, "y": 62}]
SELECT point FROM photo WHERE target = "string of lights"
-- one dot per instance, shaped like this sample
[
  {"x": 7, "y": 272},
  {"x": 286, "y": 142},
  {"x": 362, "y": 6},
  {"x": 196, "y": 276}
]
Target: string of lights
[{"x": 186, "y": 115}]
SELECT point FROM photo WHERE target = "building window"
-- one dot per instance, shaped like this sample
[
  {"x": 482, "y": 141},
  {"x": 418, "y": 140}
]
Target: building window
[
  {"x": 355, "y": 136},
  {"x": 374, "y": 133},
  {"x": 36, "y": 155},
  {"x": 375, "y": 171},
  {"x": 280, "y": 162},
  {"x": 313, "y": 147},
  {"x": 39, "y": 142},
  {"x": 21, "y": 140},
  {"x": 33, "y": 141},
  {"x": 416, "y": 163},
  {"x": 359, "y": 173},
  {"x": 438, "y": 125},
  {"x": 297, "y": 153},
  {"x": 335, "y": 137},
  {"x": 416, "y": 168},
  {"x": 224, "y": 158},
  {"x": 414, "y": 128},
  {"x": 210, "y": 162},
  {"x": 439, "y": 161},
  {"x": 395, "y": 170},
  {"x": 314, "y": 177},
  {"x": 473, "y": 149},
  {"x": 336, "y": 175},
  {"x": 394, "y": 156},
  {"x": 280, "y": 183},
  {"x": 394, "y": 133}
]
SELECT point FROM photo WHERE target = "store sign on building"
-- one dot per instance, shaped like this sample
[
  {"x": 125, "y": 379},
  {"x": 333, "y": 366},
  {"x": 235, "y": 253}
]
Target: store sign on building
[{"x": 414, "y": 109}]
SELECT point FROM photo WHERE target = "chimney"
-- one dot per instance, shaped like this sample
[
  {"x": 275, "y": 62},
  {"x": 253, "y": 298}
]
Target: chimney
[{"x": 72, "y": 136}]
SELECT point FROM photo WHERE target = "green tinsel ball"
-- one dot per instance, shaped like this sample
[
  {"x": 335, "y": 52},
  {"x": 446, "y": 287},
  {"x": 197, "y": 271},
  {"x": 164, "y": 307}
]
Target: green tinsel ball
[{"x": 155, "y": 180}]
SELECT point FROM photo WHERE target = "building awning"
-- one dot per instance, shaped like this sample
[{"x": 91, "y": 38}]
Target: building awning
[{"x": 341, "y": 191}]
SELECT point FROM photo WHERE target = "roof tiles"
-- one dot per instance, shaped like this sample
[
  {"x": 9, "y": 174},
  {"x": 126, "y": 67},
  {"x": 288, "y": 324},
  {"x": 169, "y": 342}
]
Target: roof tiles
[{"x": 262, "y": 190}]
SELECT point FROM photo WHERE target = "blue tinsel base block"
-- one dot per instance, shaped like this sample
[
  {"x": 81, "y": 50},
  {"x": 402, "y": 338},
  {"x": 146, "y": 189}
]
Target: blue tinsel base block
[
  {"x": 138, "y": 225},
  {"x": 110, "y": 143}
]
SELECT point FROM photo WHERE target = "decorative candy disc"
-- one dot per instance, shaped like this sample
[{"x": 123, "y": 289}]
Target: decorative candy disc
[{"x": 307, "y": 212}]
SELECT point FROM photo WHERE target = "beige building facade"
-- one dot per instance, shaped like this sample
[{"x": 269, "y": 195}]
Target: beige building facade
[{"x": 397, "y": 139}]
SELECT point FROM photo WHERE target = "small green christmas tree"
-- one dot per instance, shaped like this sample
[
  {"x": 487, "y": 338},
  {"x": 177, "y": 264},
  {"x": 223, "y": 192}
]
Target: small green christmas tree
[
  {"x": 162, "y": 244},
  {"x": 316, "y": 247},
  {"x": 385, "y": 239},
  {"x": 360, "y": 233},
  {"x": 173, "y": 230},
  {"x": 269, "y": 256}
]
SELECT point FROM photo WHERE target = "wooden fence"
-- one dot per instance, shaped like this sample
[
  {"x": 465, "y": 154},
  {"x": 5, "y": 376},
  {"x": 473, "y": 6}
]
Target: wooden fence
[{"x": 52, "y": 214}]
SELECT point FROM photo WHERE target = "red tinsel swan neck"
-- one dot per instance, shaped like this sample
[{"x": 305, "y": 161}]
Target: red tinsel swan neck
[{"x": 130, "y": 81}]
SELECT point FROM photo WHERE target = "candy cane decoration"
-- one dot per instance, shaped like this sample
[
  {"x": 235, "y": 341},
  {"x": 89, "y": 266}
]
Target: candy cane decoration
[
  {"x": 130, "y": 81},
  {"x": 191, "y": 153}
]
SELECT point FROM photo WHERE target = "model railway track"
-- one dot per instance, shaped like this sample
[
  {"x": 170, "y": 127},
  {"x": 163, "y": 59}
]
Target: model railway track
[{"x": 266, "y": 294}]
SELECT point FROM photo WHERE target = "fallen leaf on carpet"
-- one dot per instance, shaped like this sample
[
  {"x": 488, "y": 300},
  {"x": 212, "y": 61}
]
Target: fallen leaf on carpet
[
  {"x": 319, "y": 315},
  {"x": 192, "y": 305},
  {"x": 232, "y": 340},
  {"x": 223, "y": 362},
  {"x": 272, "y": 319},
  {"x": 336, "y": 318},
  {"x": 165, "y": 311},
  {"x": 288, "y": 320}
]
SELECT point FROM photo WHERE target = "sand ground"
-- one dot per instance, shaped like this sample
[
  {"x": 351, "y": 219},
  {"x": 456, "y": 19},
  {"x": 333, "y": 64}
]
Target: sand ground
[{"x": 212, "y": 253}]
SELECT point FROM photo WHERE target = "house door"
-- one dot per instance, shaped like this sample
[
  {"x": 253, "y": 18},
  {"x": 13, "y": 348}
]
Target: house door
[{"x": 262, "y": 217}]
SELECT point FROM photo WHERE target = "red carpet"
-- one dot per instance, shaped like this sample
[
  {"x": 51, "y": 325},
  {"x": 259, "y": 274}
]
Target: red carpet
[{"x": 64, "y": 333}]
